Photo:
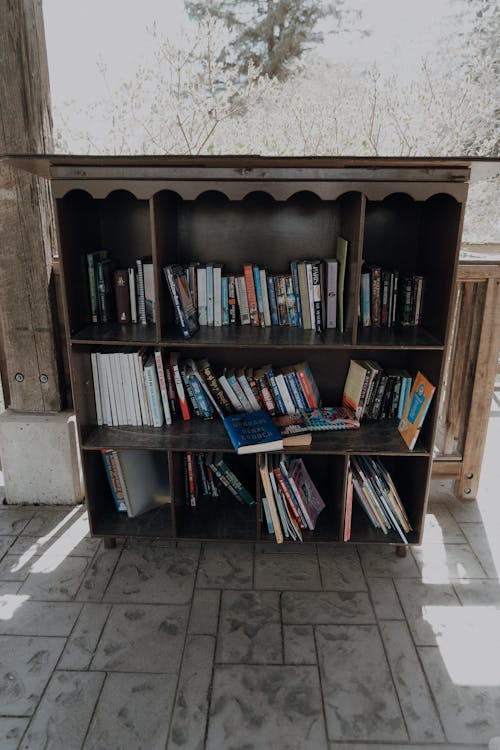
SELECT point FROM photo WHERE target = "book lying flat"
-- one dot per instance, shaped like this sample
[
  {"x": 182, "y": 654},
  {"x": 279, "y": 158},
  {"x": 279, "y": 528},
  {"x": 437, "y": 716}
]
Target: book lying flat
[
  {"x": 329, "y": 418},
  {"x": 252, "y": 432}
]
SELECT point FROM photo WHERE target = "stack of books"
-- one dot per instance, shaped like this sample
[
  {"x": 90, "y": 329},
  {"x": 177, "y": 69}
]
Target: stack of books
[
  {"x": 121, "y": 295},
  {"x": 290, "y": 499},
  {"x": 369, "y": 481},
  {"x": 374, "y": 393},
  {"x": 309, "y": 296},
  {"x": 389, "y": 298},
  {"x": 208, "y": 475}
]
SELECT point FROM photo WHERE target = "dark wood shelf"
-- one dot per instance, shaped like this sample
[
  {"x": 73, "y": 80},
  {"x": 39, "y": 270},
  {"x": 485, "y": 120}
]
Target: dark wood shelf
[
  {"x": 397, "y": 337},
  {"x": 116, "y": 334},
  {"x": 217, "y": 518},
  {"x": 154, "y": 523},
  {"x": 198, "y": 435},
  {"x": 247, "y": 337}
]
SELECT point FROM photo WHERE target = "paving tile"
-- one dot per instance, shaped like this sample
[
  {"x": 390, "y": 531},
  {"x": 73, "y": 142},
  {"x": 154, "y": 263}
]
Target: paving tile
[
  {"x": 132, "y": 713},
  {"x": 98, "y": 575},
  {"x": 441, "y": 492},
  {"x": 204, "y": 616},
  {"x": 9, "y": 587},
  {"x": 6, "y": 543},
  {"x": 385, "y": 599},
  {"x": 142, "y": 638},
  {"x": 391, "y": 746},
  {"x": 266, "y": 706},
  {"x": 359, "y": 697},
  {"x": 440, "y": 563},
  {"x": 473, "y": 593},
  {"x": 250, "y": 628},
  {"x": 441, "y": 527},
  {"x": 280, "y": 572},
  {"x": 11, "y": 731},
  {"x": 190, "y": 715},
  {"x": 325, "y": 607},
  {"x": 486, "y": 547},
  {"x": 26, "y": 665},
  {"x": 55, "y": 579},
  {"x": 157, "y": 575},
  {"x": 340, "y": 568},
  {"x": 50, "y": 521},
  {"x": 298, "y": 644},
  {"x": 383, "y": 562},
  {"x": 225, "y": 566},
  {"x": 287, "y": 548},
  {"x": 20, "y": 616},
  {"x": 17, "y": 567},
  {"x": 470, "y": 712},
  {"x": 63, "y": 715},
  {"x": 81, "y": 645},
  {"x": 13, "y": 520},
  {"x": 425, "y": 607},
  {"x": 422, "y": 721},
  {"x": 75, "y": 545}
]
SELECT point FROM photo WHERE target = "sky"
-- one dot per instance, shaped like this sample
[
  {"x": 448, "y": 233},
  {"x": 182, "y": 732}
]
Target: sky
[{"x": 78, "y": 34}]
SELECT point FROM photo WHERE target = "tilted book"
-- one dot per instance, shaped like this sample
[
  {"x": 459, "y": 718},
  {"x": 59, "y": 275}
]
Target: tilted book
[
  {"x": 253, "y": 432},
  {"x": 415, "y": 410},
  {"x": 309, "y": 498},
  {"x": 181, "y": 297}
]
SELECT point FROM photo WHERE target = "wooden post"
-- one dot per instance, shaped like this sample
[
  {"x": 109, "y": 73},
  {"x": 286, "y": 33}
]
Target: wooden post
[{"x": 30, "y": 357}]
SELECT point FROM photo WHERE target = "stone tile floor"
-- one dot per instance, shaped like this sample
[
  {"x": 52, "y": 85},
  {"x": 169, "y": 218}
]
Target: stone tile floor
[{"x": 155, "y": 645}]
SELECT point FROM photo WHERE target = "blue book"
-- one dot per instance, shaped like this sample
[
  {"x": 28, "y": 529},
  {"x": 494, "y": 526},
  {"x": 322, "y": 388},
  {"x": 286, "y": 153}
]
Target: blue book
[
  {"x": 295, "y": 280},
  {"x": 253, "y": 432},
  {"x": 225, "y": 300},
  {"x": 204, "y": 405},
  {"x": 276, "y": 392},
  {"x": 258, "y": 294},
  {"x": 273, "y": 304}
]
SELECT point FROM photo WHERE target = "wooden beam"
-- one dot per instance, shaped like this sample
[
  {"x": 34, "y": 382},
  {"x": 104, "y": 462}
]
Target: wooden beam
[{"x": 26, "y": 216}]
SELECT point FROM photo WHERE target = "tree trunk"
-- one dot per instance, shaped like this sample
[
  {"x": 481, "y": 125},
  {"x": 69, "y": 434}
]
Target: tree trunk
[{"x": 30, "y": 361}]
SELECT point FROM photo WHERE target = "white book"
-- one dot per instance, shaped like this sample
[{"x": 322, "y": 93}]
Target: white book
[
  {"x": 285, "y": 393},
  {"x": 133, "y": 295},
  {"x": 242, "y": 379},
  {"x": 97, "y": 389},
  {"x": 310, "y": 289},
  {"x": 141, "y": 389},
  {"x": 238, "y": 390},
  {"x": 127, "y": 388},
  {"x": 285, "y": 524},
  {"x": 201, "y": 277},
  {"x": 133, "y": 385},
  {"x": 162, "y": 382},
  {"x": 104, "y": 391},
  {"x": 106, "y": 358},
  {"x": 241, "y": 296},
  {"x": 235, "y": 402},
  {"x": 217, "y": 279},
  {"x": 153, "y": 392},
  {"x": 210, "y": 294},
  {"x": 265, "y": 297},
  {"x": 118, "y": 386}
]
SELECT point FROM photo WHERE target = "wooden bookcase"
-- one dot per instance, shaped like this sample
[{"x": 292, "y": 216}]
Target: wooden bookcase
[{"x": 404, "y": 214}]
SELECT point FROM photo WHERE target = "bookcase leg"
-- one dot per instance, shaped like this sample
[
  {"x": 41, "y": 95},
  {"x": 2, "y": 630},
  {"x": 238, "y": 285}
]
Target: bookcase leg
[
  {"x": 401, "y": 550},
  {"x": 109, "y": 542}
]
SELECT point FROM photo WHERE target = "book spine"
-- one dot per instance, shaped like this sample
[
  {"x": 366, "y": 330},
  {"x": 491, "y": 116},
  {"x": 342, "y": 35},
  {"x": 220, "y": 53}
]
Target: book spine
[
  {"x": 204, "y": 405},
  {"x": 258, "y": 295},
  {"x": 103, "y": 291},
  {"x": 191, "y": 479},
  {"x": 153, "y": 395},
  {"x": 276, "y": 392},
  {"x": 189, "y": 390},
  {"x": 201, "y": 278},
  {"x": 265, "y": 395},
  {"x": 231, "y": 293},
  {"x": 141, "y": 299},
  {"x": 129, "y": 361},
  {"x": 122, "y": 296},
  {"x": 94, "y": 306},
  {"x": 180, "y": 391},
  {"x": 271, "y": 293},
  {"x": 281, "y": 300},
  {"x": 233, "y": 480},
  {"x": 109, "y": 460},
  {"x": 331, "y": 294},
  {"x": 149, "y": 292},
  {"x": 348, "y": 507},
  {"x": 292, "y": 388},
  {"x": 251, "y": 389},
  {"x": 241, "y": 294},
  {"x": 214, "y": 387},
  {"x": 365, "y": 299},
  {"x": 251, "y": 295},
  {"x": 202, "y": 473},
  {"x": 417, "y": 317},
  {"x": 316, "y": 282},
  {"x": 395, "y": 296},
  {"x": 225, "y": 300},
  {"x": 239, "y": 392},
  {"x": 169, "y": 275},
  {"x": 172, "y": 401},
  {"x": 141, "y": 390},
  {"x": 265, "y": 297},
  {"x": 291, "y": 504},
  {"x": 285, "y": 394},
  {"x": 133, "y": 295},
  {"x": 310, "y": 292},
  {"x": 224, "y": 481},
  {"x": 296, "y": 290},
  {"x": 210, "y": 294},
  {"x": 384, "y": 298},
  {"x": 127, "y": 387},
  {"x": 97, "y": 390},
  {"x": 246, "y": 396},
  {"x": 305, "y": 385},
  {"x": 231, "y": 394},
  {"x": 375, "y": 294},
  {"x": 291, "y": 302},
  {"x": 217, "y": 280}
]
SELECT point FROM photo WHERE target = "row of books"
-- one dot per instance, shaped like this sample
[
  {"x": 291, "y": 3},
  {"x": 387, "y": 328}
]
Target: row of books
[
  {"x": 309, "y": 297},
  {"x": 373, "y": 392},
  {"x": 138, "y": 479},
  {"x": 121, "y": 295},
  {"x": 389, "y": 298},
  {"x": 290, "y": 499},
  {"x": 207, "y": 475},
  {"x": 371, "y": 484}
]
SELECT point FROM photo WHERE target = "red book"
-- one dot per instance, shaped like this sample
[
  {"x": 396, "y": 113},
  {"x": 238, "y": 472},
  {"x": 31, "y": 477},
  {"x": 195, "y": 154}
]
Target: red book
[
  {"x": 286, "y": 492},
  {"x": 251, "y": 295},
  {"x": 310, "y": 391},
  {"x": 179, "y": 386},
  {"x": 122, "y": 296}
]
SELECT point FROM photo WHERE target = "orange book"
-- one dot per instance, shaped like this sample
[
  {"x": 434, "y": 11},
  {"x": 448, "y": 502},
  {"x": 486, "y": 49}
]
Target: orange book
[
  {"x": 415, "y": 410},
  {"x": 251, "y": 295}
]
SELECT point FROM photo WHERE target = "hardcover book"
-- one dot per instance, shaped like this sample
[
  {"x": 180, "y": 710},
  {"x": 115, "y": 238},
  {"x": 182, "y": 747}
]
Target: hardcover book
[
  {"x": 122, "y": 296},
  {"x": 181, "y": 297},
  {"x": 253, "y": 432},
  {"x": 415, "y": 410}
]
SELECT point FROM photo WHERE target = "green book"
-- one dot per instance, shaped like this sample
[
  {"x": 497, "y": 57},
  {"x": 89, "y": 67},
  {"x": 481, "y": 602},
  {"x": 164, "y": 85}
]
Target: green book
[{"x": 341, "y": 258}]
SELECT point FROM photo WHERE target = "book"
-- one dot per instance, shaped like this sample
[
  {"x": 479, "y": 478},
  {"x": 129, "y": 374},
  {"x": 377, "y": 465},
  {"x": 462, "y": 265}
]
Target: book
[
  {"x": 258, "y": 293},
  {"x": 251, "y": 294},
  {"x": 114, "y": 480},
  {"x": 308, "y": 496},
  {"x": 355, "y": 386},
  {"x": 217, "y": 283},
  {"x": 342, "y": 261},
  {"x": 132, "y": 293},
  {"x": 140, "y": 477},
  {"x": 304, "y": 295},
  {"x": 296, "y": 290},
  {"x": 179, "y": 386},
  {"x": 375, "y": 290},
  {"x": 181, "y": 298},
  {"x": 141, "y": 299},
  {"x": 231, "y": 297},
  {"x": 241, "y": 296},
  {"x": 308, "y": 384},
  {"x": 225, "y": 300},
  {"x": 316, "y": 296},
  {"x": 92, "y": 260},
  {"x": 252, "y": 432},
  {"x": 104, "y": 269},
  {"x": 149, "y": 290},
  {"x": 201, "y": 283},
  {"x": 265, "y": 297},
  {"x": 122, "y": 296},
  {"x": 331, "y": 275},
  {"x": 220, "y": 400},
  {"x": 269, "y": 496},
  {"x": 153, "y": 391},
  {"x": 210, "y": 294},
  {"x": 329, "y": 418},
  {"x": 348, "y": 506},
  {"x": 415, "y": 410},
  {"x": 365, "y": 299}
]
